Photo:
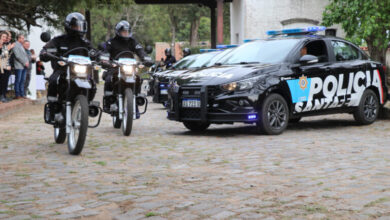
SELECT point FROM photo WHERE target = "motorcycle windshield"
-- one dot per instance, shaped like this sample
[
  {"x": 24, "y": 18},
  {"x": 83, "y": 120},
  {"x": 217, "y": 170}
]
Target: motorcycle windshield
[
  {"x": 79, "y": 59},
  {"x": 127, "y": 61}
]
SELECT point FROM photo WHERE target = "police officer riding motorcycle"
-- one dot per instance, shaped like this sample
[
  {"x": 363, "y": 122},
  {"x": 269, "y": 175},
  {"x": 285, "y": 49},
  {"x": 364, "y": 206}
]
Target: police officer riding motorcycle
[
  {"x": 169, "y": 59},
  {"x": 71, "y": 87},
  {"x": 122, "y": 84}
]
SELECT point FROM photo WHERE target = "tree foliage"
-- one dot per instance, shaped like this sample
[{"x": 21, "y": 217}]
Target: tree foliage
[
  {"x": 363, "y": 21},
  {"x": 150, "y": 23}
]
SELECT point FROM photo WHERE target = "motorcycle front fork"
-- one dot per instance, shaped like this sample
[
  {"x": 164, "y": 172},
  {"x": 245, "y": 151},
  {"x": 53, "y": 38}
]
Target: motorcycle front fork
[
  {"x": 68, "y": 116},
  {"x": 121, "y": 110}
]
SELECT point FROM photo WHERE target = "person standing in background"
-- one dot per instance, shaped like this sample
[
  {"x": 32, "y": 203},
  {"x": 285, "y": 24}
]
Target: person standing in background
[
  {"x": 21, "y": 63},
  {"x": 31, "y": 59},
  {"x": 5, "y": 67}
]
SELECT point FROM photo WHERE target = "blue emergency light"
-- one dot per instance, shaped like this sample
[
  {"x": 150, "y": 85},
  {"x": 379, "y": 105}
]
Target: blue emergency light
[
  {"x": 252, "y": 117},
  {"x": 249, "y": 40},
  {"x": 209, "y": 50},
  {"x": 297, "y": 30},
  {"x": 223, "y": 46}
]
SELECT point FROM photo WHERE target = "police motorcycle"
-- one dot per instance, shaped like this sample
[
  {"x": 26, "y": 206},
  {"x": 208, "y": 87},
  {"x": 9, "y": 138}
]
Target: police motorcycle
[
  {"x": 122, "y": 101},
  {"x": 153, "y": 70},
  {"x": 74, "y": 103}
]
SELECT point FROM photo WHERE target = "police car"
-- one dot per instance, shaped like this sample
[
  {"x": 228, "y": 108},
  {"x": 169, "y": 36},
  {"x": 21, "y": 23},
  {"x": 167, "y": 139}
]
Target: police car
[
  {"x": 188, "y": 63},
  {"x": 293, "y": 74}
]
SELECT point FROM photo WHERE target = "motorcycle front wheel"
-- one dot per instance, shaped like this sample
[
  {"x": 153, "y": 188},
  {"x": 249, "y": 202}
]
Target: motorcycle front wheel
[
  {"x": 128, "y": 110},
  {"x": 78, "y": 129}
]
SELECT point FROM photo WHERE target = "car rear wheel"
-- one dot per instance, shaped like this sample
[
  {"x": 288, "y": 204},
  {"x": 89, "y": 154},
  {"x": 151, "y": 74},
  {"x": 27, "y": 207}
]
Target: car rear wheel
[
  {"x": 368, "y": 109},
  {"x": 274, "y": 115},
  {"x": 196, "y": 125}
]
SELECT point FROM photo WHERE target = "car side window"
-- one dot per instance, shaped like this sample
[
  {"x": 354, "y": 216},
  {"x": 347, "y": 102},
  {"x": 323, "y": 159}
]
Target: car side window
[
  {"x": 344, "y": 51},
  {"x": 316, "y": 48}
]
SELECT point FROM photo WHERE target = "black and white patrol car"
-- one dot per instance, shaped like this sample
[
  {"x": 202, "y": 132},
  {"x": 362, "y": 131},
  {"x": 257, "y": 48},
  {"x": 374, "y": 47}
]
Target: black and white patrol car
[{"x": 272, "y": 82}]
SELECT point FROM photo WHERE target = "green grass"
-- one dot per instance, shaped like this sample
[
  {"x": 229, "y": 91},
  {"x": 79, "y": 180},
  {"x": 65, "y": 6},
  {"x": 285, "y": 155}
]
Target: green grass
[
  {"x": 381, "y": 200},
  {"x": 22, "y": 174},
  {"x": 101, "y": 163},
  {"x": 150, "y": 214},
  {"x": 315, "y": 209}
]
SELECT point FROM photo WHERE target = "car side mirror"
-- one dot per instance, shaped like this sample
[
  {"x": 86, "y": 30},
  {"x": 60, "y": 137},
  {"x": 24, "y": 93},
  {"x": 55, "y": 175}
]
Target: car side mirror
[
  {"x": 308, "y": 59},
  {"x": 45, "y": 37}
]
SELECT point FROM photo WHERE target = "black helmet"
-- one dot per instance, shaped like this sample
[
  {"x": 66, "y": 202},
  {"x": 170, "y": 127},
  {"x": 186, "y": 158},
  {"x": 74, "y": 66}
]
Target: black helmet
[
  {"x": 186, "y": 51},
  {"x": 168, "y": 52},
  {"x": 75, "y": 24},
  {"x": 121, "y": 27}
]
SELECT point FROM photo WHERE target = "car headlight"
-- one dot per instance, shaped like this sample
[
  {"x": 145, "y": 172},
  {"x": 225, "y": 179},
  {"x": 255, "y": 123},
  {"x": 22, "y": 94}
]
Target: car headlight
[
  {"x": 80, "y": 70},
  {"x": 242, "y": 84},
  {"x": 128, "y": 70}
]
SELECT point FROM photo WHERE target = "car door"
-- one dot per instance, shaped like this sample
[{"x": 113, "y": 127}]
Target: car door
[
  {"x": 307, "y": 80},
  {"x": 349, "y": 68}
]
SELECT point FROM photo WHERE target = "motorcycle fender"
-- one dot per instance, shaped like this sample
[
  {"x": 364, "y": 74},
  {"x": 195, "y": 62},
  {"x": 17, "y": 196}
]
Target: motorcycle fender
[{"x": 83, "y": 83}]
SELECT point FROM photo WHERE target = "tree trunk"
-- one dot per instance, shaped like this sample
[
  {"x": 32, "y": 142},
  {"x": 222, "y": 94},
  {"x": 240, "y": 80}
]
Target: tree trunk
[
  {"x": 194, "y": 36},
  {"x": 173, "y": 19},
  {"x": 377, "y": 53}
]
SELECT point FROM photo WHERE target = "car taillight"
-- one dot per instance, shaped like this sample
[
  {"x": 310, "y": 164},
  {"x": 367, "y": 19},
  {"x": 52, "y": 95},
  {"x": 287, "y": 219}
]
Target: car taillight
[{"x": 384, "y": 68}]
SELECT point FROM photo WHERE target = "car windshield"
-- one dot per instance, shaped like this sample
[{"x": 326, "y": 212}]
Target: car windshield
[
  {"x": 185, "y": 62},
  {"x": 218, "y": 57},
  {"x": 202, "y": 59},
  {"x": 266, "y": 51}
]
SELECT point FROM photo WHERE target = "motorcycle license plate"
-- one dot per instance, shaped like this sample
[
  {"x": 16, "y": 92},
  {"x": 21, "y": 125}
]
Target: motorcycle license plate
[
  {"x": 164, "y": 92},
  {"x": 191, "y": 103}
]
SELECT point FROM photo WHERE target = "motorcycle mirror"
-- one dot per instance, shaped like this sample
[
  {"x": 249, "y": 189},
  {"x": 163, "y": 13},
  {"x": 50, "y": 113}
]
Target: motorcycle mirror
[
  {"x": 45, "y": 37},
  {"x": 148, "y": 49}
]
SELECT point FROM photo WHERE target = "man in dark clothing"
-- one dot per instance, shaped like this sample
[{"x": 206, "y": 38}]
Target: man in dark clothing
[
  {"x": 76, "y": 28},
  {"x": 169, "y": 59},
  {"x": 123, "y": 41}
]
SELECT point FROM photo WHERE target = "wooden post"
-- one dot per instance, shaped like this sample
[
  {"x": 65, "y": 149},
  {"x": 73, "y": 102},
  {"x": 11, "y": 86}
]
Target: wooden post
[{"x": 220, "y": 21}]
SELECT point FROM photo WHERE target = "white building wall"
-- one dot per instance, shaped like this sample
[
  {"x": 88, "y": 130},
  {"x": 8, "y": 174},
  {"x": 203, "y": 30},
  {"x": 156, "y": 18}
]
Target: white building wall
[{"x": 259, "y": 16}]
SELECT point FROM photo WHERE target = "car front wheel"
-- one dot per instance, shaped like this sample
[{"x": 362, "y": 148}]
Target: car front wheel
[{"x": 273, "y": 115}]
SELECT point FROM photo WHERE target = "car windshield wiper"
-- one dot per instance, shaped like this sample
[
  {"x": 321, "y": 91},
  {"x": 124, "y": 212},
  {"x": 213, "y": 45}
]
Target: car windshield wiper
[
  {"x": 218, "y": 64},
  {"x": 247, "y": 62}
]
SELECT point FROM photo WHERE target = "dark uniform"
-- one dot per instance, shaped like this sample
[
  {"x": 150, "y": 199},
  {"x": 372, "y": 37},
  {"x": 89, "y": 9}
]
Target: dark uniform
[
  {"x": 169, "y": 59},
  {"x": 59, "y": 46},
  {"x": 116, "y": 46},
  {"x": 75, "y": 27}
]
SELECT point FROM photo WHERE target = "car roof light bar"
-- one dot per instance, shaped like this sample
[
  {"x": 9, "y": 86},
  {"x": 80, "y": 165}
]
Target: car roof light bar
[{"x": 306, "y": 30}]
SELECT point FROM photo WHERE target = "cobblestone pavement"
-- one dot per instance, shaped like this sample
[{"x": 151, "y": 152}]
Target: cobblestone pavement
[{"x": 321, "y": 168}]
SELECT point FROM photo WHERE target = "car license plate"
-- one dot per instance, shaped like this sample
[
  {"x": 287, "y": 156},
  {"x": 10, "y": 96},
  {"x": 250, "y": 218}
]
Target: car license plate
[
  {"x": 164, "y": 92},
  {"x": 191, "y": 103}
]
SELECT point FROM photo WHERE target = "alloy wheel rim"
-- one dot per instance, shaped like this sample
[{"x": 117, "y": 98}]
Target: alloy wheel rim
[
  {"x": 277, "y": 116},
  {"x": 370, "y": 108}
]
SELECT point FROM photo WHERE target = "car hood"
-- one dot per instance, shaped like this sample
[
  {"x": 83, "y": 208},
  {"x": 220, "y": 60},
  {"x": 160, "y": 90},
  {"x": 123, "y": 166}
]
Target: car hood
[
  {"x": 224, "y": 74},
  {"x": 168, "y": 75}
]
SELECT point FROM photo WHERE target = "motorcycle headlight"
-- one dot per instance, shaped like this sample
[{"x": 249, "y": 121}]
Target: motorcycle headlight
[
  {"x": 128, "y": 70},
  {"x": 80, "y": 71},
  {"x": 242, "y": 84}
]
